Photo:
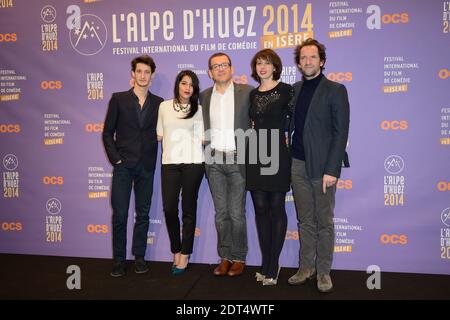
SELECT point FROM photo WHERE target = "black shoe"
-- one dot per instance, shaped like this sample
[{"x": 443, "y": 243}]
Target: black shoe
[
  {"x": 140, "y": 266},
  {"x": 119, "y": 269}
]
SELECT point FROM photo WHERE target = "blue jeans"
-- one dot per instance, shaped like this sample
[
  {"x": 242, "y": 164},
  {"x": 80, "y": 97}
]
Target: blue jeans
[
  {"x": 122, "y": 183},
  {"x": 228, "y": 192}
]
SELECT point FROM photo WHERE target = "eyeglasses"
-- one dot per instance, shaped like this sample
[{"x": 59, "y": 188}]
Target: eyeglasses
[{"x": 224, "y": 65}]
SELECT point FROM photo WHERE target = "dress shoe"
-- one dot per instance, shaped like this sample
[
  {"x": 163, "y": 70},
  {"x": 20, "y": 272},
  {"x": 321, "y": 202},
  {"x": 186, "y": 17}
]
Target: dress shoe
[
  {"x": 236, "y": 269},
  {"x": 140, "y": 266},
  {"x": 222, "y": 268},
  {"x": 324, "y": 283},
  {"x": 301, "y": 276},
  {"x": 259, "y": 277},
  {"x": 271, "y": 281},
  {"x": 119, "y": 269},
  {"x": 178, "y": 271}
]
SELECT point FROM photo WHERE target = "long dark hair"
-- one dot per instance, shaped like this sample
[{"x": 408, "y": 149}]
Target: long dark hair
[{"x": 193, "y": 100}]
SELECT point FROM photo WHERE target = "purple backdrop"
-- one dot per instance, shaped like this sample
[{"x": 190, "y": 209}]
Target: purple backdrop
[{"x": 60, "y": 63}]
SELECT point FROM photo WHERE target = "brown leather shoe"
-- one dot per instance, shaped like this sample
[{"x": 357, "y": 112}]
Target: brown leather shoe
[
  {"x": 236, "y": 269},
  {"x": 222, "y": 268}
]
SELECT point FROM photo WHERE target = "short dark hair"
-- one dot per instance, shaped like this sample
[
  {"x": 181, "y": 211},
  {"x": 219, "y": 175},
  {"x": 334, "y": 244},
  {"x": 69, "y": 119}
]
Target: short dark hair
[
  {"x": 145, "y": 59},
  {"x": 270, "y": 56},
  {"x": 193, "y": 100},
  {"x": 311, "y": 42},
  {"x": 218, "y": 54}
]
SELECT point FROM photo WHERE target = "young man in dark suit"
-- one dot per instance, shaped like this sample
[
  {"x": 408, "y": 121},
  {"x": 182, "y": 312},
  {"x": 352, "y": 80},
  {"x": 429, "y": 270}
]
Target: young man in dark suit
[
  {"x": 319, "y": 130},
  {"x": 129, "y": 138}
]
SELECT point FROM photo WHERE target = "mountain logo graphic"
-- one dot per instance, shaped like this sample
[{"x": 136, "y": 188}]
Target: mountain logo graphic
[
  {"x": 394, "y": 164},
  {"x": 48, "y": 14},
  {"x": 91, "y": 38},
  {"x": 53, "y": 206},
  {"x": 445, "y": 217},
  {"x": 10, "y": 162}
]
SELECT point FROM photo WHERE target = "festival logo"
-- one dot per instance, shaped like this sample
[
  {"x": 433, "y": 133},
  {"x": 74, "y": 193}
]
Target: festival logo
[
  {"x": 88, "y": 34},
  {"x": 10, "y": 177},
  {"x": 48, "y": 14}
]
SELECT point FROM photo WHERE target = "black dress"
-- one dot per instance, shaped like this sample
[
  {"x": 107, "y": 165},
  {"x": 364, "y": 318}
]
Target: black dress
[{"x": 269, "y": 110}]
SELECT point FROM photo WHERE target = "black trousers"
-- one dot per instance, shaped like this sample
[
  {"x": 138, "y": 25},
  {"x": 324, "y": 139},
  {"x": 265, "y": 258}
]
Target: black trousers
[{"x": 187, "y": 179}]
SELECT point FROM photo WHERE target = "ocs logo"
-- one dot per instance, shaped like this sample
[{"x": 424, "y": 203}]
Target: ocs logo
[
  {"x": 444, "y": 73},
  {"x": 443, "y": 186},
  {"x": 9, "y": 128},
  {"x": 394, "y": 125},
  {"x": 344, "y": 184},
  {"x": 340, "y": 76},
  {"x": 53, "y": 206},
  {"x": 12, "y": 226},
  {"x": 53, "y": 180},
  {"x": 292, "y": 235},
  {"x": 94, "y": 127},
  {"x": 8, "y": 37},
  {"x": 97, "y": 228},
  {"x": 375, "y": 19},
  {"x": 87, "y": 32},
  {"x": 10, "y": 162},
  {"x": 240, "y": 79},
  {"x": 394, "y": 164},
  {"x": 394, "y": 239},
  {"x": 48, "y": 14},
  {"x": 51, "y": 85},
  {"x": 445, "y": 217}
]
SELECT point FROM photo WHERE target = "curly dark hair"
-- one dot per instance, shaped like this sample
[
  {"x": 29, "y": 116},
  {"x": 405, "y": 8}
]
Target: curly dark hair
[
  {"x": 145, "y": 59},
  {"x": 270, "y": 56},
  {"x": 311, "y": 42}
]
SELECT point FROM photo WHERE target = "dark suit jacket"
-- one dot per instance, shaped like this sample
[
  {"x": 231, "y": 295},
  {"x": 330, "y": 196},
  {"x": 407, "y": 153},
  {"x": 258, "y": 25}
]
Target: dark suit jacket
[
  {"x": 241, "y": 111},
  {"x": 123, "y": 137},
  {"x": 326, "y": 129}
]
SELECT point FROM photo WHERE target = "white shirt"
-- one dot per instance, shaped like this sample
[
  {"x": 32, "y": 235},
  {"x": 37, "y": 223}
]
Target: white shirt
[
  {"x": 221, "y": 113},
  {"x": 182, "y": 138}
]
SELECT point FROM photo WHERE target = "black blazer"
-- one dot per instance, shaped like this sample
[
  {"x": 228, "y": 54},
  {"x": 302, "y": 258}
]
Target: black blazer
[
  {"x": 123, "y": 137},
  {"x": 326, "y": 129}
]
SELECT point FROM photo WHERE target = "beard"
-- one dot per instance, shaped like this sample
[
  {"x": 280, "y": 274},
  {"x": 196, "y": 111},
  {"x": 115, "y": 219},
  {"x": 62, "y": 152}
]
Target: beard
[{"x": 310, "y": 72}]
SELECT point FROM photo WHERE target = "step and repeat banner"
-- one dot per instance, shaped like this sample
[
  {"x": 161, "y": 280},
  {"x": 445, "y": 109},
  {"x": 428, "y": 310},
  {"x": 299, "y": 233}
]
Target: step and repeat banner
[{"x": 60, "y": 61}]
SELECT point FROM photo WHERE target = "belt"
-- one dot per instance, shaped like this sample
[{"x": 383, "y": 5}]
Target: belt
[{"x": 224, "y": 157}]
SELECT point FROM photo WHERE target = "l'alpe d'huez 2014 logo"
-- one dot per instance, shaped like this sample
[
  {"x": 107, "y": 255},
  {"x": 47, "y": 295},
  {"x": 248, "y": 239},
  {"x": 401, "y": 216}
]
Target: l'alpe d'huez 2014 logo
[
  {"x": 53, "y": 222},
  {"x": 394, "y": 183},
  {"x": 88, "y": 33},
  {"x": 10, "y": 176}
]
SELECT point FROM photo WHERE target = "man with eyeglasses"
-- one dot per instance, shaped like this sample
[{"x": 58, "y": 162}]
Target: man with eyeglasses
[{"x": 225, "y": 110}]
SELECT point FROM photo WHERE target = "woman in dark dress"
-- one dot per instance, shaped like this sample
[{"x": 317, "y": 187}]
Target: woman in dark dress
[{"x": 268, "y": 181}]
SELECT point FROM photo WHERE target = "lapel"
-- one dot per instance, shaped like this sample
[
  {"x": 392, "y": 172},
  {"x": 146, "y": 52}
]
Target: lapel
[
  {"x": 206, "y": 108},
  {"x": 149, "y": 110},
  {"x": 297, "y": 93},
  {"x": 132, "y": 107},
  {"x": 317, "y": 94},
  {"x": 237, "y": 104}
]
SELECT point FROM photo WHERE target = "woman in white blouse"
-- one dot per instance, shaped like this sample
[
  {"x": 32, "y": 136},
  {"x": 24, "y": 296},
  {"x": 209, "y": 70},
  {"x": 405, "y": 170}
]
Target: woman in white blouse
[{"x": 180, "y": 127}]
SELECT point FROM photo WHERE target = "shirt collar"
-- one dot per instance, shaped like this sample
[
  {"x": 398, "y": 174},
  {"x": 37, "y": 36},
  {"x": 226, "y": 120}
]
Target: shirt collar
[{"x": 229, "y": 89}]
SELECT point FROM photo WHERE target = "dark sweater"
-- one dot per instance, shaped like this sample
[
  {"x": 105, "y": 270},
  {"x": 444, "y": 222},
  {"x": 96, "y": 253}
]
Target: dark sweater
[{"x": 301, "y": 111}]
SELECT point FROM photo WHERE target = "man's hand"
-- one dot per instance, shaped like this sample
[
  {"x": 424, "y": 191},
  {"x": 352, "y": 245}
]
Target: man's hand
[{"x": 328, "y": 181}]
